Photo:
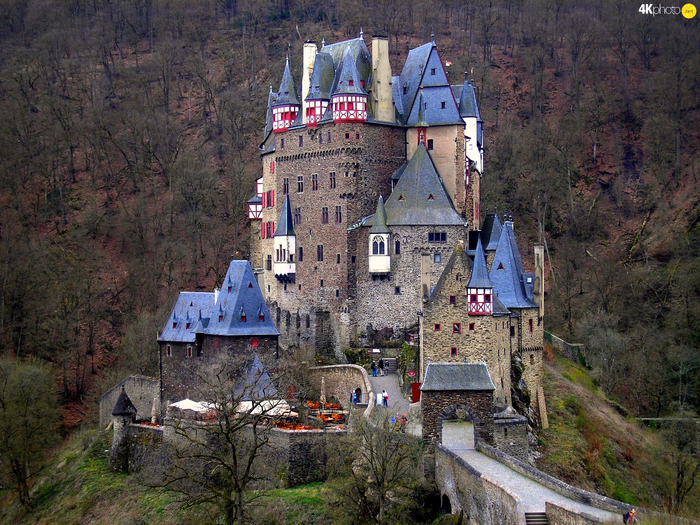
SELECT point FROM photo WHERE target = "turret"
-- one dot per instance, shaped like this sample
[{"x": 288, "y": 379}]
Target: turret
[
  {"x": 349, "y": 98},
  {"x": 480, "y": 287},
  {"x": 319, "y": 94},
  {"x": 286, "y": 105},
  {"x": 473, "y": 134},
  {"x": 255, "y": 203},
  {"x": 379, "y": 258},
  {"x": 123, "y": 415},
  {"x": 422, "y": 124},
  {"x": 285, "y": 242}
]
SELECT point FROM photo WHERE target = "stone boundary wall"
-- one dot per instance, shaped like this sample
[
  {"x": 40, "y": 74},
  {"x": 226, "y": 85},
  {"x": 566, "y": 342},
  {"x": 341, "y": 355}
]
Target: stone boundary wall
[
  {"x": 558, "y": 486},
  {"x": 572, "y": 351},
  {"x": 140, "y": 389},
  {"x": 340, "y": 380},
  {"x": 559, "y": 514},
  {"x": 483, "y": 501}
]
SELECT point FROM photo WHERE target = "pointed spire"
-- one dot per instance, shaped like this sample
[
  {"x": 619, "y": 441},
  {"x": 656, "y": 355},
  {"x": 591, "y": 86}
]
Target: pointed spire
[
  {"x": 432, "y": 37},
  {"x": 287, "y": 93},
  {"x": 480, "y": 274},
  {"x": 285, "y": 226},
  {"x": 124, "y": 406},
  {"x": 422, "y": 121},
  {"x": 379, "y": 224},
  {"x": 323, "y": 42},
  {"x": 361, "y": 33}
]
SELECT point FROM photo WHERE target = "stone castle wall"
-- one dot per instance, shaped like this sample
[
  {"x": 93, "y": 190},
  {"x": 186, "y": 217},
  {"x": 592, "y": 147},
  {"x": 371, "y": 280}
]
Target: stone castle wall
[
  {"x": 141, "y": 390},
  {"x": 185, "y": 377},
  {"x": 340, "y": 381},
  {"x": 510, "y": 436},
  {"x": 400, "y": 293},
  {"x": 478, "y": 404}
]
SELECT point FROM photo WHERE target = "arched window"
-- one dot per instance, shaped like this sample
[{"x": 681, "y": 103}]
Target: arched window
[
  {"x": 375, "y": 247},
  {"x": 381, "y": 247}
]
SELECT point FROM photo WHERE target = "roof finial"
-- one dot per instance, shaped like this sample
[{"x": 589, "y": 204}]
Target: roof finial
[
  {"x": 432, "y": 37},
  {"x": 361, "y": 33},
  {"x": 323, "y": 42}
]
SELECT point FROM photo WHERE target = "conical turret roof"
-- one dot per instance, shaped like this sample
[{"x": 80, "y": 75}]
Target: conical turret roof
[
  {"x": 480, "y": 274},
  {"x": 285, "y": 227},
  {"x": 287, "y": 93},
  {"x": 124, "y": 406},
  {"x": 379, "y": 224}
]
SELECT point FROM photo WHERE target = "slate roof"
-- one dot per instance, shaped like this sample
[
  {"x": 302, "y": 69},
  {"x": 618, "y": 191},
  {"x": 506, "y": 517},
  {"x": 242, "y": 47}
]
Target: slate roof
[
  {"x": 468, "y": 106},
  {"x": 285, "y": 226},
  {"x": 322, "y": 76},
  {"x": 287, "y": 93},
  {"x": 491, "y": 232},
  {"x": 124, "y": 406},
  {"x": 202, "y": 309},
  {"x": 457, "y": 377},
  {"x": 507, "y": 273},
  {"x": 480, "y": 274},
  {"x": 348, "y": 80},
  {"x": 354, "y": 50},
  {"x": 379, "y": 223},
  {"x": 419, "y": 198},
  {"x": 255, "y": 384}
]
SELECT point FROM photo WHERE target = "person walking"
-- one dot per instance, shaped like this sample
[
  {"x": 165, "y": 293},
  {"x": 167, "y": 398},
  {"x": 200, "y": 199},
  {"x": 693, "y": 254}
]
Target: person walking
[
  {"x": 385, "y": 399},
  {"x": 630, "y": 517},
  {"x": 381, "y": 367},
  {"x": 373, "y": 366}
]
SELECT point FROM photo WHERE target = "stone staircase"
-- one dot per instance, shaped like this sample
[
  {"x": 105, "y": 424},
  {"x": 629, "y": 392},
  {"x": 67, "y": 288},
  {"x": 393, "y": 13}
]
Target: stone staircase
[
  {"x": 390, "y": 365},
  {"x": 536, "y": 518}
]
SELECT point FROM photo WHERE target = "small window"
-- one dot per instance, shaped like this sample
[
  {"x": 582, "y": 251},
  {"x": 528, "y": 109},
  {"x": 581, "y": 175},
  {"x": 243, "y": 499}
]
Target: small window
[
  {"x": 189, "y": 351},
  {"x": 352, "y": 259},
  {"x": 337, "y": 293},
  {"x": 254, "y": 343},
  {"x": 453, "y": 299},
  {"x": 281, "y": 143},
  {"x": 347, "y": 136},
  {"x": 471, "y": 327},
  {"x": 285, "y": 186},
  {"x": 512, "y": 331},
  {"x": 453, "y": 351},
  {"x": 320, "y": 138},
  {"x": 297, "y": 216},
  {"x": 187, "y": 326},
  {"x": 314, "y": 182},
  {"x": 300, "y": 184},
  {"x": 324, "y": 215},
  {"x": 437, "y": 258},
  {"x": 332, "y": 179},
  {"x": 301, "y": 140},
  {"x": 329, "y": 137},
  {"x": 357, "y": 136},
  {"x": 351, "y": 82},
  {"x": 261, "y": 317},
  {"x": 436, "y": 327},
  {"x": 321, "y": 283},
  {"x": 169, "y": 350},
  {"x": 432, "y": 71},
  {"x": 175, "y": 324},
  {"x": 500, "y": 266},
  {"x": 230, "y": 288},
  {"x": 268, "y": 266},
  {"x": 243, "y": 317},
  {"x": 397, "y": 290},
  {"x": 319, "y": 255},
  {"x": 301, "y": 254},
  {"x": 397, "y": 247},
  {"x": 530, "y": 325},
  {"x": 532, "y": 359},
  {"x": 221, "y": 317},
  {"x": 443, "y": 105},
  {"x": 430, "y": 144},
  {"x": 405, "y": 90},
  {"x": 338, "y": 215},
  {"x": 456, "y": 328},
  {"x": 337, "y": 258}
]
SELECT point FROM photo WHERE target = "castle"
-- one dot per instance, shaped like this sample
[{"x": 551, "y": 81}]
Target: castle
[{"x": 367, "y": 216}]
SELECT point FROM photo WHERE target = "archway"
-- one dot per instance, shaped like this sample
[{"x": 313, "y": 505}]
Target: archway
[
  {"x": 445, "y": 505},
  {"x": 458, "y": 427}
]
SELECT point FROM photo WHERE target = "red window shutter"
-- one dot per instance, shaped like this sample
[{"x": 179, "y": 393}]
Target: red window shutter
[
  {"x": 262, "y": 231},
  {"x": 272, "y": 197},
  {"x": 264, "y": 200},
  {"x": 272, "y": 166}
]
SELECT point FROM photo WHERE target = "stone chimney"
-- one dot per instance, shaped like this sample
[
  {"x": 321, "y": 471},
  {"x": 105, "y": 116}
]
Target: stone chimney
[
  {"x": 381, "y": 99},
  {"x": 307, "y": 66}
]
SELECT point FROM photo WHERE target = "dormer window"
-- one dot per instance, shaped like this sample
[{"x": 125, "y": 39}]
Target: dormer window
[
  {"x": 432, "y": 71},
  {"x": 243, "y": 317},
  {"x": 174, "y": 324},
  {"x": 187, "y": 326},
  {"x": 221, "y": 317},
  {"x": 230, "y": 288},
  {"x": 261, "y": 317},
  {"x": 351, "y": 82}
]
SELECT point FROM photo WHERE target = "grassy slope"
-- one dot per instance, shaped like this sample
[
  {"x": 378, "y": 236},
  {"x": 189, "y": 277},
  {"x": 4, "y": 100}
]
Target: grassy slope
[{"x": 591, "y": 444}]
